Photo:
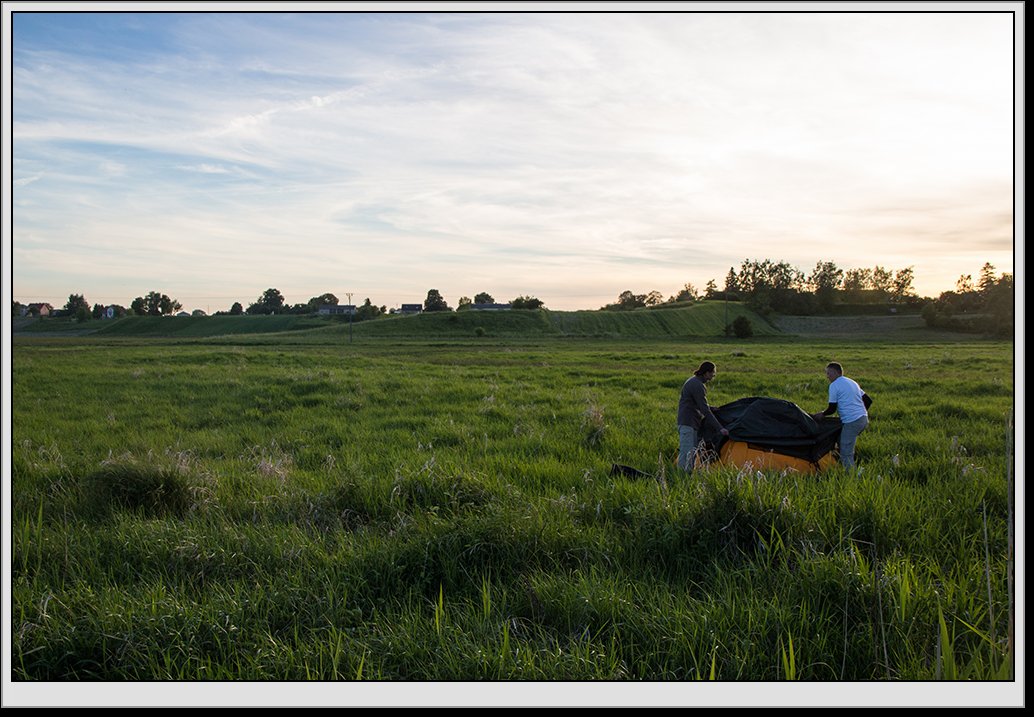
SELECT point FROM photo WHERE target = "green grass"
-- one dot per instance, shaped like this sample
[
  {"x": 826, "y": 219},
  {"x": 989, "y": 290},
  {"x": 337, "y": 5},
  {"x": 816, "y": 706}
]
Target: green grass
[{"x": 300, "y": 507}]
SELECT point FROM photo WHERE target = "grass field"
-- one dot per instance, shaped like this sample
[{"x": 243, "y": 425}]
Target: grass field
[{"x": 293, "y": 506}]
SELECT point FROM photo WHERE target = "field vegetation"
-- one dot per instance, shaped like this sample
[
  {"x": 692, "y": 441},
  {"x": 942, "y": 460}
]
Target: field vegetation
[{"x": 439, "y": 505}]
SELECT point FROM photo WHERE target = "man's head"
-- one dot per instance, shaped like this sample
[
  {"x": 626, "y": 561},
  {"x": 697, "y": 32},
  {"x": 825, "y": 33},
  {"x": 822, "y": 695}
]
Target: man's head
[
  {"x": 706, "y": 371},
  {"x": 834, "y": 371}
]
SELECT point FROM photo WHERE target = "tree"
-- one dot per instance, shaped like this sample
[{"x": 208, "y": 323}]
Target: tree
[
  {"x": 753, "y": 277},
  {"x": 732, "y": 282},
  {"x": 628, "y": 300},
  {"x": 784, "y": 277},
  {"x": 965, "y": 297},
  {"x": 901, "y": 287},
  {"x": 774, "y": 286},
  {"x": 435, "y": 301},
  {"x": 159, "y": 304},
  {"x": 464, "y": 303},
  {"x": 710, "y": 290},
  {"x": 526, "y": 302},
  {"x": 857, "y": 280},
  {"x": 76, "y": 302},
  {"x": 98, "y": 311},
  {"x": 1000, "y": 302},
  {"x": 316, "y": 302},
  {"x": 989, "y": 309},
  {"x": 368, "y": 311},
  {"x": 483, "y": 298},
  {"x": 882, "y": 282},
  {"x": 687, "y": 293},
  {"x": 155, "y": 304},
  {"x": 271, "y": 302},
  {"x": 236, "y": 309},
  {"x": 824, "y": 281},
  {"x": 987, "y": 278},
  {"x": 653, "y": 298}
]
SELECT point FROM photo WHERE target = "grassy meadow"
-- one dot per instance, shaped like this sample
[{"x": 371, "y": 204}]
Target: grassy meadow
[{"x": 296, "y": 506}]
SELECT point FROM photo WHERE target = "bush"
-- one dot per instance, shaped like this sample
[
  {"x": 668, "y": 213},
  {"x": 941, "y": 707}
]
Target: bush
[{"x": 742, "y": 327}]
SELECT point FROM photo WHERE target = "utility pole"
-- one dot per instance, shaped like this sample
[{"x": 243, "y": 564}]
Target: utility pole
[{"x": 351, "y": 310}]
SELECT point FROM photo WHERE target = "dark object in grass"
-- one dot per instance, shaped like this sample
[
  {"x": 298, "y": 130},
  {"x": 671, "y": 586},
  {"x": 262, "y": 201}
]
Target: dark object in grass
[{"x": 628, "y": 471}]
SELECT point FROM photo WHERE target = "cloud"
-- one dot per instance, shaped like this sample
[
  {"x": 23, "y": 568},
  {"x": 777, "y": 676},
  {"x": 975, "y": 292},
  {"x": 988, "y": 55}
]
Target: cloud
[
  {"x": 644, "y": 149},
  {"x": 205, "y": 168}
]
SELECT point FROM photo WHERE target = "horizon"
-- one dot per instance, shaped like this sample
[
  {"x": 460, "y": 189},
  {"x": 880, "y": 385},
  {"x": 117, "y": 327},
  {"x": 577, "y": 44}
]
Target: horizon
[
  {"x": 452, "y": 302},
  {"x": 568, "y": 156}
]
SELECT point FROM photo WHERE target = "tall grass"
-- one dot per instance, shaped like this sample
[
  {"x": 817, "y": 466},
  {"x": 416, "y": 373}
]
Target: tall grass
[{"x": 406, "y": 511}]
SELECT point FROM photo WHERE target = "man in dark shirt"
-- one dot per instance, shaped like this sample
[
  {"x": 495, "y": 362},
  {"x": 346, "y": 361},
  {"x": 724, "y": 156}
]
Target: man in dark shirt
[{"x": 693, "y": 411}]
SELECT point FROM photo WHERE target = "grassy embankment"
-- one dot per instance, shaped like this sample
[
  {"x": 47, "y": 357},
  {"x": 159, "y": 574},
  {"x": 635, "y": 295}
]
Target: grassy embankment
[
  {"x": 299, "y": 508},
  {"x": 705, "y": 319}
]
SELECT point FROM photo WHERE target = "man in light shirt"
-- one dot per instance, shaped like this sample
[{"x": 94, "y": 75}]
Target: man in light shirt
[{"x": 848, "y": 399}]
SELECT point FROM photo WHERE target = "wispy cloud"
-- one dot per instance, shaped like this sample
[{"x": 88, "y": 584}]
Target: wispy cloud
[{"x": 515, "y": 153}]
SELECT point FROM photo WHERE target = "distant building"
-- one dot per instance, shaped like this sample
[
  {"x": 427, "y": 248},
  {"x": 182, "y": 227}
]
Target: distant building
[
  {"x": 490, "y": 307},
  {"x": 337, "y": 309},
  {"x": 43, "y": 309},
  {"x": 411, "y": 308}
]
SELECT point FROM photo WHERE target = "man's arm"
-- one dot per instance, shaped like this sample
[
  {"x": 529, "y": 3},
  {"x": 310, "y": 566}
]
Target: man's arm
[
  {"x": 700, "y": 402},
  {"x": 830, "y": 410}
]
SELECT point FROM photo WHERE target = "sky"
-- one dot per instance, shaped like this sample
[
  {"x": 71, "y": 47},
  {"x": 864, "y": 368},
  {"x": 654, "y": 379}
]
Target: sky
[{"x": 568, "y": 156}]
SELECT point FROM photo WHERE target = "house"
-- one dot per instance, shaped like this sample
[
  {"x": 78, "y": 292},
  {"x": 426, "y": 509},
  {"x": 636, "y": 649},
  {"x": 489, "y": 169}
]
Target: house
[
  {"x": 43, "y": 309},
  {"x": 490, "y": 307},
  {"x": 336, "y": 309},
  {"x": 411, "y": 308}
]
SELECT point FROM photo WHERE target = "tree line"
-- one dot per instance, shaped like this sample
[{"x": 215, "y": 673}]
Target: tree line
[
  {"x": 770, "y": 287},
  {"x": 436, "y": 302},
  {"x": 987, "y": 306},
  {"x": 271, "y": 301},
  {"x": 778, "y": 287},
  {"x": 766, "y": 286}
]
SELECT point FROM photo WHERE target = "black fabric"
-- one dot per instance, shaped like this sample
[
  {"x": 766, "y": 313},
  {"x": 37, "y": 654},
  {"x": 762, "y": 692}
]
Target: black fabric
[
  {"x": 617, "y": 469},
  {"x": 776, "y": 425}
]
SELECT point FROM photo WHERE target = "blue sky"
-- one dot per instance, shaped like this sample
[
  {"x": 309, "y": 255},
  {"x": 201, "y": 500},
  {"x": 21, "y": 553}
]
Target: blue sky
[{"x": 569, "y": 156}]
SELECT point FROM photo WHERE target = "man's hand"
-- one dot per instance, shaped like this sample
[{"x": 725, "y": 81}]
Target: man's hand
[{"x": 725, "y": 431}]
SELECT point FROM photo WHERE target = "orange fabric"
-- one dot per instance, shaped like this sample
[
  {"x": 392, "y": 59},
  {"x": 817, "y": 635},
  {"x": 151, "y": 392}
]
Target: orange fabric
[{"x": 737, "y": 453}]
